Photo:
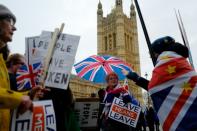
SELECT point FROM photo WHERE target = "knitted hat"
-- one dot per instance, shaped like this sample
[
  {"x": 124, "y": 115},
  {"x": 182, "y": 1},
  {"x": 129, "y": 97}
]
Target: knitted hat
[
  {"x": 6, "y": 13},
  {"x": 162, "y": 44},
  {"x": 167, "y": 43}
]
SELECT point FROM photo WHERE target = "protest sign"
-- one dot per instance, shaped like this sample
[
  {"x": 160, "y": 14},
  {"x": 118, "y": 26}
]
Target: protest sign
[
  {"x": 86, "y": 111},
  {"x": 32, "y": 53},
  {"x": 41, "y": 119},
  {"x": 62, "y": 59},
  {"x": 124, "y": 113}
]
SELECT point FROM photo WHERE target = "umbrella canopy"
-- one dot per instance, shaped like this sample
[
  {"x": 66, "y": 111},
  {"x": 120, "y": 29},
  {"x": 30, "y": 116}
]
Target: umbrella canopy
[{"x": 95, "y": 68}]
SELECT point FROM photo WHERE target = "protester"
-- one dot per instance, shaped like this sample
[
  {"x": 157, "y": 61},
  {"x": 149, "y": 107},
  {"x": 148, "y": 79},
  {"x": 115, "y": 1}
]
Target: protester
[
  {"x": 63, "y": 106},
  {"x": 141, "y": 124},
  {"x": 150, "y": 117},
  {"x": 172, "y": 86},
  {"x": 70, "y": 118},
  {"x": 13, "y": 63},
  {"x": 8, "y": 99},
  {"x": 113, "y": 90}
]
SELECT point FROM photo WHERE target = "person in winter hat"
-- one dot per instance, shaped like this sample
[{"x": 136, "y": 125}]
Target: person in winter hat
[
  {"x": 172, "y": 86},
  {"x": 8, "y": 99},
  {"x": 160, "y": 45}
]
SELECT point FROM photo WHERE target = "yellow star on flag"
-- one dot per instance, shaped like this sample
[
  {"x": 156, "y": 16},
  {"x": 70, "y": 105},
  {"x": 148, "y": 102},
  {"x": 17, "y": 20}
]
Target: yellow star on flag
[
  {"x": 164, "y": 57},
  {"x": 187, "y": 87},
  {"x": 171, "y": 69}
]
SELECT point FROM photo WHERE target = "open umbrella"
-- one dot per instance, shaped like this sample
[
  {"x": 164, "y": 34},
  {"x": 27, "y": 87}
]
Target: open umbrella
[{"x": 95, "y": 68}]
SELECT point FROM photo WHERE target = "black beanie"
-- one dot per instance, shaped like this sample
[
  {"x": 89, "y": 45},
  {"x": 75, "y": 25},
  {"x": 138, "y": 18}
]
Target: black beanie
[
  {"x": 167, "y": 43},
  {"x": 5, "y": 12},
  {"x": 161, "y": 44}
]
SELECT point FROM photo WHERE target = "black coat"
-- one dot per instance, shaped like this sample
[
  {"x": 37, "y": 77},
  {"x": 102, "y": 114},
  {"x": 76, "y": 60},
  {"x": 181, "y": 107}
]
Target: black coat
[{"x": 140, "y": 81}]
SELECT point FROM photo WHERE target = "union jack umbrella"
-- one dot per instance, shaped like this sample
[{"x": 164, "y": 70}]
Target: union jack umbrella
[
  {"x": 27, "y": 76},
  {"x": 95, "y": 68}
]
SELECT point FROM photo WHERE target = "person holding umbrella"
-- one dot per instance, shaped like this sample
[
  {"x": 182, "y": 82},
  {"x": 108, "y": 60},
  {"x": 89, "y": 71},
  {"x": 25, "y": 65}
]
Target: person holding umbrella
[{"x": 113, "y": 90}]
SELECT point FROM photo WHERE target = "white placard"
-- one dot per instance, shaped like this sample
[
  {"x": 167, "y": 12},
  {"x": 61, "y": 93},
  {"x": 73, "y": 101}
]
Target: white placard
[
  {"x": 124, "y": 113},
  {"x": 87, "y": 112},
  {"x": 62, "y": 59},
  {"x": 41, "y": 119}
]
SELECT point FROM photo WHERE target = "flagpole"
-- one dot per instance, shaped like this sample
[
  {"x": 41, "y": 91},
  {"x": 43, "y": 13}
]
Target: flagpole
[
  {"x": 145, "y": 32},
  {"x": 180, "y": 28},
  {"x": 184, "y": 36}
]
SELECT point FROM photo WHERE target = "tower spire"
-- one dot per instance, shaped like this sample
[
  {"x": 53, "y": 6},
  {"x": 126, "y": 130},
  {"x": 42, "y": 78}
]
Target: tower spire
[
  {"x": 100, "y": 10},
  {"x": 118, "y": 3},
  {"x": 132, "y": 9}
]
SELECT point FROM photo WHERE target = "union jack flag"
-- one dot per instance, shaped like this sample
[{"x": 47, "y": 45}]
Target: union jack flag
[
  {"x": 95, "y": 68},
  {"x": 27, "y": 76},
  {"x": 173, "y": 90}
]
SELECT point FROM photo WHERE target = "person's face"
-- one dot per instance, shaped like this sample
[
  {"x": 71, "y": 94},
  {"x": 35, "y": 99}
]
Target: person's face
[
  {"x": 18, "y": 65},
  {"x": 7, "y": 29},
  {"x": 112, "y": 81}
]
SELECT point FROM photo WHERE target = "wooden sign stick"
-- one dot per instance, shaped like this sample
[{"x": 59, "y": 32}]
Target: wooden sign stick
[{"x": 50, "y": 52}]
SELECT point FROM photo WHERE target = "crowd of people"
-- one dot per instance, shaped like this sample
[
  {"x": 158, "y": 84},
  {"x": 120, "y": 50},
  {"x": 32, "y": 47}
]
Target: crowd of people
[
  {"x": 11, "y": 98},
  {"x": 63, "y": 100}
]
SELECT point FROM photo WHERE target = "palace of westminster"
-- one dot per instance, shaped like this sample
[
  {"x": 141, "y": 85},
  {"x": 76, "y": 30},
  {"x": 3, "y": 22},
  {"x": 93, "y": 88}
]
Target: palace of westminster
[{"x": 117, "y": 36}]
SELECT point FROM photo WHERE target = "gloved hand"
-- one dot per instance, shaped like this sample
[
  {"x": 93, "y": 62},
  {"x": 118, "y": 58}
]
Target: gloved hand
[
  {"x": 131, "y": 75},
  {"x": 126, "y": 99}
]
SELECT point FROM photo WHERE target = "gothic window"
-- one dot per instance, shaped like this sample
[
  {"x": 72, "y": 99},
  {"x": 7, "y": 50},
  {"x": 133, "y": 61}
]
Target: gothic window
[
  {"x": 125, "y": 39},
  {"x": 128, "y": 43},
  {"x": 110, "y": 42},
  {"x": 105, "y": 43},
  {"x": 114, "y": 40},
  {"x": 131, "y": 47}
]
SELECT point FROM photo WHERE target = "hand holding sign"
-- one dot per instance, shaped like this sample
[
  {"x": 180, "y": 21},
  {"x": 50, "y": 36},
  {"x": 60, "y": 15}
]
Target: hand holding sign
[
  {"x": 37, "y": 92},
  {"x": 25, "y": 105},
  {"x": 41, "y": 118}
]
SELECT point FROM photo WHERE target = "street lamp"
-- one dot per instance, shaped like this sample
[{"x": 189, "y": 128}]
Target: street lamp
[{"x": 148, "y": 99}]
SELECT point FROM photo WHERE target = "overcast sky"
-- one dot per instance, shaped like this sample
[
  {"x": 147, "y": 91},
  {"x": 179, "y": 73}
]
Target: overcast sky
[{"x": 80, "y": 18}]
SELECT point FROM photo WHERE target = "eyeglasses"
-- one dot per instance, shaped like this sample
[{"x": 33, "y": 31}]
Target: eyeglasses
[
  {"x": 10, "y": 20},
  {"x": 20, "y": 63},
  {"x": 112, "y": 78}
]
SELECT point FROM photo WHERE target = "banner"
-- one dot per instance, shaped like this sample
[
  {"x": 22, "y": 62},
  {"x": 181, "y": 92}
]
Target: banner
[
  {"x": 41, "y": 119},
  {"x": 86, "y": 111},
  {"x": 124, "y": 113}
]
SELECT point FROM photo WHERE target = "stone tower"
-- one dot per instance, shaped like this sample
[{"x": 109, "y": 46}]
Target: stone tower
[{"x": 117, "y": 36}]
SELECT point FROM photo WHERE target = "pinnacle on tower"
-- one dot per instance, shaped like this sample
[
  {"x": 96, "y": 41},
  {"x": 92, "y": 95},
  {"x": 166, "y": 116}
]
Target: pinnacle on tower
[
  {"x": 132, "y": 9},
  {"x": 100, "y": 10},
  {"x": 119, "y": 3}
]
